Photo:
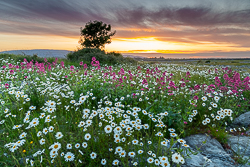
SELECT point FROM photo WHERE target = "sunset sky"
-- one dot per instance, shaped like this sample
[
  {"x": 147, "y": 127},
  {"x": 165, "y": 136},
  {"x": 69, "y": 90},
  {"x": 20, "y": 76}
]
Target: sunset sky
[{"x": 166, "y": 27}]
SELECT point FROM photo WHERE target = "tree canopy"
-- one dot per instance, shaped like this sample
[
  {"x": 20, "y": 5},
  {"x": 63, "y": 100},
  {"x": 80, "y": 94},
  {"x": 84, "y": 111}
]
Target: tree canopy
[{"x": 96, "y": 34}]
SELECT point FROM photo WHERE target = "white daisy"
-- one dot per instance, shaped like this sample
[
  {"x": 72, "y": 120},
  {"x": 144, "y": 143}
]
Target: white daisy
[
  {"x": 108, "y": 129},
  {"x": 55, "y": 146},
  {"x": 69, "y": 146},
  {"x": 77, "y": 145},
  {"x": 176, "y": 158},
  {"x": 115, "y": 162},
  {"x": 87, "y": 136},
  {"x": 69, "y": 156},
  {"x": 84, "y": 144},
  {"x": 103, "y": 161},
  {"x": 93, "y": 155},
  {"x": 42, "y": 141},
  {"x": 150, "y": 160},
  {"x": 131, "y": 154},
  {"x": 59, "y": 135}
]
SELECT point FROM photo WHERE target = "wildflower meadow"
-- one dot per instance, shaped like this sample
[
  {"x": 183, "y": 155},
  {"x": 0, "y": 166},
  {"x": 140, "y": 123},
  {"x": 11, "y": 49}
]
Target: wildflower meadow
[{"x": 120, "y": 115}]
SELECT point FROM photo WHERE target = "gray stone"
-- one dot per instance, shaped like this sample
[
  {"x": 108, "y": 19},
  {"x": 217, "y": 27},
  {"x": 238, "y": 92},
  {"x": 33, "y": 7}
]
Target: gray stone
[
  {"x": 212, "y": 146},
  {"x": 243, "y": 119},
  {"x": 196, "y": 160},
  {"x": 241, "y": 146},
  {"x": 248, "y": 162},
  {"x": 212, "y": 150},
  {"x": 248, "y": 132}
]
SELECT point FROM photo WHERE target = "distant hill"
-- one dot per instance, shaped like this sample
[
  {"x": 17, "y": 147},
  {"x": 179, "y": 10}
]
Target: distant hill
[
  {"x": 40, "y": 52},
  {"x": 52, "y": 53}
]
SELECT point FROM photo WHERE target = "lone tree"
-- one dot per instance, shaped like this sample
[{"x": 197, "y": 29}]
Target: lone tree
[{"x": 95, "y": 35}]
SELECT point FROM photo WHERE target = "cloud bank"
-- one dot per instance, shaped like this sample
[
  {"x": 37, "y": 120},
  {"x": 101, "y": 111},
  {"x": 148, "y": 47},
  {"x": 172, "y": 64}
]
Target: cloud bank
[{"x": 192, "y": 22}]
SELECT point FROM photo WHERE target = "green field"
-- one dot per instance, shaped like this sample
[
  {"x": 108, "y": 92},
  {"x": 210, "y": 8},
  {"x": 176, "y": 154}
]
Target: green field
[{"x": 63, "y": 113}]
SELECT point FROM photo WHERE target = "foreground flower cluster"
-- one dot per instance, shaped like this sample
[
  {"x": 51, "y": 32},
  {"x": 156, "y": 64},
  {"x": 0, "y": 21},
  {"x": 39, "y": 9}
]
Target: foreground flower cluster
[{"x": 120, "y": 115}]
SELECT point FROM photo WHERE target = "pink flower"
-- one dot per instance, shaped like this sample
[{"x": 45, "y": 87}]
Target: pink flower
[
  {"x": 62, "y": 64},
  {"x": 81, "y": 63},
  {"x": 72, "y": 68},
  {"x": 11, "y": 71},
  {"x": 196, "y": 98},
  {"x": 185, "y": 122},
  {"x": 6, "y": 85}
]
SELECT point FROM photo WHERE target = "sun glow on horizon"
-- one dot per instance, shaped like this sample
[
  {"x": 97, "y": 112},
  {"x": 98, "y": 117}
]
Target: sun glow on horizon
[
  {"x": 153, "y": 45},
  {"x": 145, "y": 44},
  {"x": 123, "y": 45}
]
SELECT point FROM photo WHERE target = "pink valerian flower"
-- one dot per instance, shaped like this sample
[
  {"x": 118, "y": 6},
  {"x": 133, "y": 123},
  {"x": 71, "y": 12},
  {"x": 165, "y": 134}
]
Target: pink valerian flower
[
  {"x": 225, "y": 76},
  {"x": 11, "y": 71},
  {"x": 217, "y": 81},
  {"x": 95, "y": 63},
  {"x": 81, "y": 63},
  {"x": 11, "y": 66},
  {"x": 49, "y": 68},
  {"x": 6, "y": 85},
  {"x": 98, "y": 68},
  {"x": 120, "y": 80},
  {"x": 145, "y": 82},
  {"x": 183, "y": 85},
  {"x": 196, "y": 98},
  {"x": 45, "y": 60},
  {"x": 187, "y": 74},
  {"x": 62, "y": 64},
  {"x": 4, "y": 67},
  {"x": 196, "y": 87},
  {"x": 72, "y": 68},
  {"x": 85, "y": 66},
  {"x": 122, "y": 72}
]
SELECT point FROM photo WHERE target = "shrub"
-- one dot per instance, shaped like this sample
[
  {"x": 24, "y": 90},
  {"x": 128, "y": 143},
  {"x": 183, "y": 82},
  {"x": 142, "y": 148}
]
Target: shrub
[{"x": 86, "y": 55}]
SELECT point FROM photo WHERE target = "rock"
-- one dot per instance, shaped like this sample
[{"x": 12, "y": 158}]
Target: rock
[
  {"x": 212, "y": 146},
  {"x": 212, "y": 150},
  {"x": 248, "y": 132},
  {"x": 243, "y": 119},
  {"x": 196, "y": 160},
  {"x": 240, "y": 145}
]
